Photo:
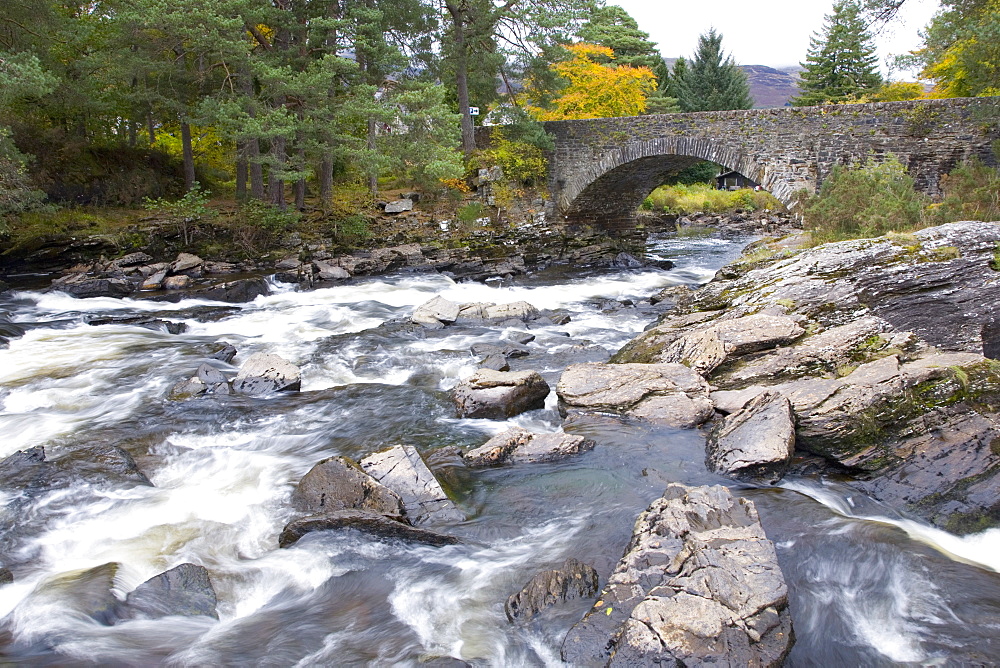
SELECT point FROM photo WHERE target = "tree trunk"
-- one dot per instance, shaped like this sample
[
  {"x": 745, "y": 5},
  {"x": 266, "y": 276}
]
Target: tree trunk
[
  {"x": 299, "y": 189},
  {"x": 242, "y": 170},
  {"x": 462, "y": 79},
  {"x": 326, "y": 184},
  {"x": 188, "y": 154},
  {"x": 372, "y": 177},
  {"x": 275, "y": 185},
  {"x": 151, "y": 128},
  {"x": 256, "y": 169}
]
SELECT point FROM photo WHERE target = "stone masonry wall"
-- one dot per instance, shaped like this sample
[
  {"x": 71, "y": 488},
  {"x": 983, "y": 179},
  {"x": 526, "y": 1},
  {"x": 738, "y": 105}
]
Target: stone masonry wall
[{"x": 601, "y": 169}]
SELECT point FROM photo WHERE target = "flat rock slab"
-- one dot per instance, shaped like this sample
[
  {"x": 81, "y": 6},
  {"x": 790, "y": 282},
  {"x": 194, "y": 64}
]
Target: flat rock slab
[
  {"x": 669, "y": 394},
  {"x": 402, "y": 469},
  {"x": 699, "y": 584},
  {"x": 706, "y": 349},
  {"x": 399, "y": 206},
  {"x": 367, "y": 522},
  {"x": 520, "y": 445},
  {"x": 184, "y": 590},
  {"x": 436, "y": 312},
  {"x": 499, "y": 395},
  {"x": 571, "y": 580},
  {"x": 263, "y": 374},
  {"x": 184, "y": 262},
  {"x": 338, "y": 483},
  {"x": 755, "y": 443}
]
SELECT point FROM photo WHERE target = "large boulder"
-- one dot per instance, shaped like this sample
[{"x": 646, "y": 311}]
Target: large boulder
[
  {"x": 372, "y": 524},
  {"x": 235, "y": 292},
  {"x": 263, "y": 373},
  {"x": 571, "y": 580},
  {"x": 519, "y": 445},
  {"x": 338, "y": 483},
  {"x": 755, "y": 443},
  {"x": 499, "y": 395},
  {"x": 184, "y": 590},
  {"x": 699, "y": 584},
  {"x": 84, "y": 287},
  {"x": 439, "y": 312},
  {"x": 402, "y": 470},
  {"x": 668, "y": 394}
]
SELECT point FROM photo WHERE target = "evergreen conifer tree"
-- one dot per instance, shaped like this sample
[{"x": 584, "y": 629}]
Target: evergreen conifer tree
[
  {"x": 841, "y": 65},
  {"x": 712, "y": 82}
]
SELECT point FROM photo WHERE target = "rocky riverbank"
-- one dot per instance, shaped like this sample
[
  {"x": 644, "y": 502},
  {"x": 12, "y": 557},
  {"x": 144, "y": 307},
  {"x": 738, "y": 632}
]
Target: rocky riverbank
[
  {"x": 87, "y": 269},
  {"x": 881, "y": 348}
]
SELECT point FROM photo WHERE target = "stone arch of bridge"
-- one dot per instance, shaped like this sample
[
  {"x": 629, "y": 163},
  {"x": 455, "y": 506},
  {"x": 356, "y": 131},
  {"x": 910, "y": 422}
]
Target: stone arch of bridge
[{"x": 607, "y": 192}]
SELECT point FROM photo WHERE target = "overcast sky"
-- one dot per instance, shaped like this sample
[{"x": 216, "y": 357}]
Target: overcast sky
[{"x": 766, "y": 32}]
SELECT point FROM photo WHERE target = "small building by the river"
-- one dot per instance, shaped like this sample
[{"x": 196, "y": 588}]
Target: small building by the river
[{"x": 733, "y": 181}]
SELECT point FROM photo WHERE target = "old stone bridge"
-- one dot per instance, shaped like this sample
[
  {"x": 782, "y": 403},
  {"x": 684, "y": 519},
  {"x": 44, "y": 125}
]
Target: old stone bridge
[{"x": 601, "y": 170}]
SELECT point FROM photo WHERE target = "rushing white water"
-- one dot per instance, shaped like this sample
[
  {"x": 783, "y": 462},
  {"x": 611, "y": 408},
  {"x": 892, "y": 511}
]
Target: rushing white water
[{"x": 222, "y": 470}]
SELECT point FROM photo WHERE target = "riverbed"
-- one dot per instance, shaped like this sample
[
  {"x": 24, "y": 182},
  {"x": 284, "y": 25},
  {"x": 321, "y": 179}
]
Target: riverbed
[{"x": 867, "y": 586}]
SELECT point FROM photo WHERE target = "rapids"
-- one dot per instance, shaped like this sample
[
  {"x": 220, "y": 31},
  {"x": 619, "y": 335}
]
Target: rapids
[{"x": 867, "y": 586}]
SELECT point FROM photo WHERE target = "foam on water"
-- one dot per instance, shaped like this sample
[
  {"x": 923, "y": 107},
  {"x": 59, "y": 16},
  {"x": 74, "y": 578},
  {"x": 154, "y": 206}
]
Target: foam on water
[
  {"x": 452, "y": 613},
  {"x": 981, "y": 549}
]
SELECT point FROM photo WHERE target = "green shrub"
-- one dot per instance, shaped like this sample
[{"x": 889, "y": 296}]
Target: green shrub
[
  {"x": 351, "y": 228},
  {"x": 704, "y": 198},
  {"x": 471, "y": 212},
  {"x": 971, "y": 192},
  {"x": 184, "y": 212},
  {"x": 17, "y": 191},
  {"x": 520, "y": 161},
  {"x": 257, "y": 224},
  {"x": 865, "y": 201}
]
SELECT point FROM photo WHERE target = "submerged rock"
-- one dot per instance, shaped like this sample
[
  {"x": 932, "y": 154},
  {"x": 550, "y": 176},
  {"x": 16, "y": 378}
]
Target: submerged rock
[
  {"x": 499, "y": 395},
  {"x": 184, "y": 590},
  {"x": 146, "y": 322},
  {"x": 570, "y": 580},
  {"x": 6, "y": 577},
  {"x": 264, "y": 373},
  {"x": 86, "y": 593},
  {"x": 519, "y": 445},
  {"x": 755, "y": 443},
  {"x": 699, "y": 584},
  {"x": 402, "y": 470},
  {"x": 30, "y": 473},
  {"x": 367, "y": 522},
  {"x": 669, "y": 394}
]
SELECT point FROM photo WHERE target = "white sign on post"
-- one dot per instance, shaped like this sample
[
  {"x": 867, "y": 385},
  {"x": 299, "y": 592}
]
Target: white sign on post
[{"x": 473, "y": 111}]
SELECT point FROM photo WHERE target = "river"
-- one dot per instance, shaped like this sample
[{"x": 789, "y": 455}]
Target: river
[{"x": 867, "y": 586}]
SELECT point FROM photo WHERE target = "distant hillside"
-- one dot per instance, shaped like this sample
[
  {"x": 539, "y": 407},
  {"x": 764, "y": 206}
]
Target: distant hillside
[{"x": 769, "y": 87}]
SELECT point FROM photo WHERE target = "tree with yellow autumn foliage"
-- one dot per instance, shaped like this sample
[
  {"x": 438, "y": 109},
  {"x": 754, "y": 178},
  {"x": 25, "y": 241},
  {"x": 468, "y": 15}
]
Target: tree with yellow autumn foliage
[{"x": 595, "y": 89}]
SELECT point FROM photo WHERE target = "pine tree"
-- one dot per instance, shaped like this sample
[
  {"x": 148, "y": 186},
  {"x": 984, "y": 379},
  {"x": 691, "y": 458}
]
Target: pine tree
[
  {"x": 711, "y": 82},
  {"x": 841, "y": 64}
]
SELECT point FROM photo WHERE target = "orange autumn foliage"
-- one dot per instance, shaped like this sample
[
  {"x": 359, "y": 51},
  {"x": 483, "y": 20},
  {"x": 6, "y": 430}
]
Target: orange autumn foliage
[{"x": 597, "y": 90}]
